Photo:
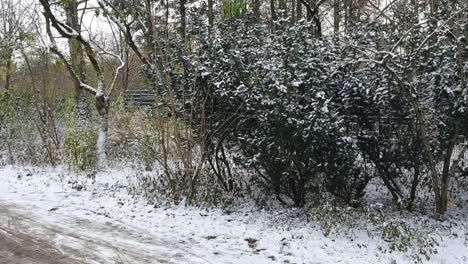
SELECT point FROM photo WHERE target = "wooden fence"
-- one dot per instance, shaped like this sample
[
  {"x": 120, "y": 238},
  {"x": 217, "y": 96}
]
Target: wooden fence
[{"x": 140, "y": 98}]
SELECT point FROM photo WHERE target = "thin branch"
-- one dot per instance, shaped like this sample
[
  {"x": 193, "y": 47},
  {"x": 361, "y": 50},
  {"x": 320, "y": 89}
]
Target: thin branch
[
  {"x": 55, "y": 50},
  {"x": 438, "y": 27},
  {"x": 68, "y": 32}
]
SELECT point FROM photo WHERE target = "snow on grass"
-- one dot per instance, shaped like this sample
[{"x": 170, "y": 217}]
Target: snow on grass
[{"x": 242, "y": 234}]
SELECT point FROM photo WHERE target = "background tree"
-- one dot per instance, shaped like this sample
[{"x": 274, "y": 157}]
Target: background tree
[
  {"x": 101, "y": 99},
  {"x": 15, "y": 27}
]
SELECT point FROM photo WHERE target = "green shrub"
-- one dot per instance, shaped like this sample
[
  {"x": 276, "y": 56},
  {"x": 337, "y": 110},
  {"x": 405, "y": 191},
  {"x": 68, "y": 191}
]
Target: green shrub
[
  {"x": 403, "y": 238},
  {"x": 80, "y": 149}
]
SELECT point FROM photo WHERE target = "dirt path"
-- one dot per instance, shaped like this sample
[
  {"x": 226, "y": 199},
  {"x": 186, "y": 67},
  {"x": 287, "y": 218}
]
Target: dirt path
[
  {"x": 18, "y": 248},
  {"x": 31, "y": 236}
]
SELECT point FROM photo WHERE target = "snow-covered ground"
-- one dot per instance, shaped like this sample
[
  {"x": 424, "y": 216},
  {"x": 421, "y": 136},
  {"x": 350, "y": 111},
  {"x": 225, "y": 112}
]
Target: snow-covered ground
[{"x": 242, "y": 234}]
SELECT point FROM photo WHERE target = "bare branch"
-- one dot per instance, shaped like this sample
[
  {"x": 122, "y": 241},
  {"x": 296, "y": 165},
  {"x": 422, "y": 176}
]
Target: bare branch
[
  {"x": 69, "y": 33},
  {"x": 55, "y": 50}
]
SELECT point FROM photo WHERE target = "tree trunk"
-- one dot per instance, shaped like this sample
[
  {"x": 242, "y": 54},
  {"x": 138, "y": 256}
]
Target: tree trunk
[
  {"x": 126, "y": 72},
  {"x": 348, "y": 10},
  {"x": 9, "y": 55},
  {"x": 256, "y": 9},
  {"x": 274, "y": 18},
  {"x": 446, "y": 171},
  {"x": 423, "y": 134},
  {"x": 352, "y": 12},
  {"x": 282, "y": 8},
  {"x": 82, "y": 109},
  {"x": 102, "y": 106},
  {"x": 414, "y": 185},
  {"x": 183, "y": 21},
  {"x": 424, "y": 137},
  {"x": 415, "y": 4},
  {"x": 293, "y": 12},
  {"x": 317, "y": 22},
  {"x": 150, "y": 37},
  {"x": 211, "y": 15},
  {"x": 298, "y": 10},
  {"x": 101, "y": 145},
  {"x": 434, "y": 9},
  {"x": 313, "y": 16},
  {"x": 336, "y": 15},
  {"x": 101, "y": 101}
]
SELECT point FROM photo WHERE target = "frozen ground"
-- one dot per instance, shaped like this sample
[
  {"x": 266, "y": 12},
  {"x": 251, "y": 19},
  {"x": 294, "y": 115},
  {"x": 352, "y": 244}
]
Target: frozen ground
[{"x": 78, "y": 220}]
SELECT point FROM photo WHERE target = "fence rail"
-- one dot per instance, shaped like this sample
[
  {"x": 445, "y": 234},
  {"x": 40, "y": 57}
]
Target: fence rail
[{"x": 139, "y": 98}]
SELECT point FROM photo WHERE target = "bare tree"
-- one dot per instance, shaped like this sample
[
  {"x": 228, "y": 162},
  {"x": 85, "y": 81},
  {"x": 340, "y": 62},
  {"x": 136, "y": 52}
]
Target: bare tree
[
  {"x": 14, "y": 24},
  {"x": 101, "y": 91},
  {"x": 175, "y": 132},
  {"x": 402, "y": 74},
  {"x": 313, "y": 14}
]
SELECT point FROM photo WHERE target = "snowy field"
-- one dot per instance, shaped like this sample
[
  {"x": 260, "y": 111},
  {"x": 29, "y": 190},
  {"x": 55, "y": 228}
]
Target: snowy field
[{"x": 104, "y": 210}]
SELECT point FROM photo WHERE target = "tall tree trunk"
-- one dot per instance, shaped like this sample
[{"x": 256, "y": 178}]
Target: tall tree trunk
[
  {"x": 274, "y": 18},
  {"x": 211, "y": 15},
  {"x": 183, "y": 21},
  {"x": 313, "y": 16},
  {"x": 298, "y": 10},
  {"x": 256, "y": 9},
  {"x": 102, "y": 105},
  {"x": 282, "y": 8},
  {"x": 150, "y": 37},
  {"x": 445, "y": 177},
  {"x": 309, "y": 13},
  {"x": 415, "y": 4},
  {"x": 8, "y": 70},
  {"x": 317, "y": 22},
  {"x": 126, "y": 70},
  {"x": 101, "y": 145},
  {"x": 336, "y": 15},
  {"x": 293, "y": 11},
  {"x": 414, "y": 185},
  {"x": 82, "y": 109},
  {"x": 347, "y": 18},
  {"x": 351, "y": 12},
  {"x": 101, "y": 100},
  {"x": 434, "y": 9}
]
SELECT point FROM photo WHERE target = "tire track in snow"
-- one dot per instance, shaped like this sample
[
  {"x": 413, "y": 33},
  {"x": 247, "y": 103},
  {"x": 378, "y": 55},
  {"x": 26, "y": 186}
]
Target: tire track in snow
[{"x": 50, "y": 237}]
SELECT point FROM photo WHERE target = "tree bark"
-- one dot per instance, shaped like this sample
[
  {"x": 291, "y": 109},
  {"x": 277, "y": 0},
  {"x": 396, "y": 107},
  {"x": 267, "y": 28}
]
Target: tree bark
[
  {"x": 347, "y": 17},
  {"x": 102, "y": 105},
  {"x": 150, "y": 36},
  {"x": 82, "y": 111},
  {"x": 298, "y": 10},
  {"x": 293, "y": 12},
  {"x": 446, "y": 171},
  {"x": 434, "y": 9},
  {"x": 274, "y": 18},
  {"x": 211, "y": 15},
  {"x": 282, "y": 8},
  {"x": 183, "y": 21},
  {"x": 336, "y": 15},
  {"x": 256, "y": 9},
  {"x": 415, "y": 4},
  {"x": 9, "y": 55},
  {"x": 309, "y": 10}
]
